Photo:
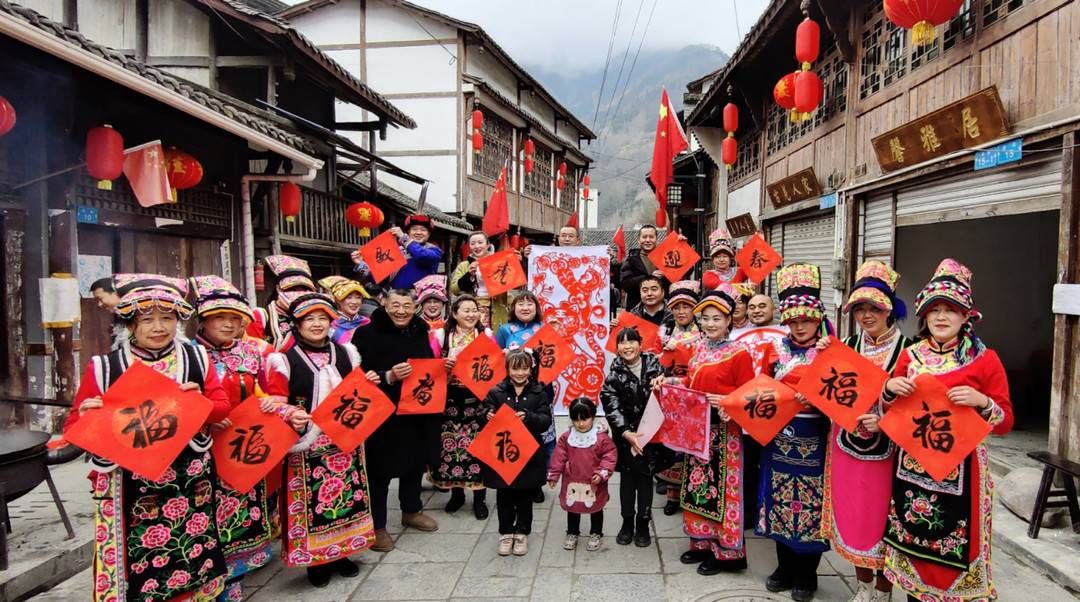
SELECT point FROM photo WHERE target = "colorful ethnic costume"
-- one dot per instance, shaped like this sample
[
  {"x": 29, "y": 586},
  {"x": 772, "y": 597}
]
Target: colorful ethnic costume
[
  {"x": 156, "y": 540},
  {"x": 247, "y": 523},
  {"x": 791, "y": 491},
  {"x": 431, "y": 287},
  {"x": 720, "y": 241},
  {"x": 326, "y": 500},
  {"x": 938, "y": 533},
  {"x": 858, "y": 467},
  {"x": 683, "y": 291},
  {"x": 272, "y": 324},
  {"x": 711, "y": 493},
  {"x": 343, "y": 326},
  {"x": 462, "y": 420}
]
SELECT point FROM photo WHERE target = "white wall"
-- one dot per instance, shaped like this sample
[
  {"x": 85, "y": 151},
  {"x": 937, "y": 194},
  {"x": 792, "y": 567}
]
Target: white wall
[
  {"x": 442, "y": 171},
  {"x": 745, "y": 199},
  {"x": 109, "y": 22},
  {"x": 388, "y": 23},
  {"x": 334, "y": 24},
  {"x": 411, "y": 69}
]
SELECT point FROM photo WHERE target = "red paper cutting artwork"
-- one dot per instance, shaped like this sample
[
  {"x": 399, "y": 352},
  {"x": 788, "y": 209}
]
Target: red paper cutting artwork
[{"x": 686, "y": 421}]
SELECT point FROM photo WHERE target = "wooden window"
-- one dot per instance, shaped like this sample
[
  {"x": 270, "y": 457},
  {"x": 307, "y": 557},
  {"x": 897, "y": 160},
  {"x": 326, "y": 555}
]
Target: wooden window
[
  {"x": 996, "y": 10},
  {"x": 748, "y": 158},
  {"x": 781, "y": 131},
  {"x": 568, "y": 195},
  {"x": 961, "y": 27},
  {"x": 498, "y": 148},
  {"x": 833, "y": 72},
  {"x": 884, "y": 53},
  {"x": 538, "y": 183}
]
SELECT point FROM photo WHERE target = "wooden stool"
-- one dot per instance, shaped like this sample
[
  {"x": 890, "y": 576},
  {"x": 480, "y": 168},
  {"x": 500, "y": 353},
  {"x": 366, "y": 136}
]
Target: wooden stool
[{"x": 1069, "y": 470}]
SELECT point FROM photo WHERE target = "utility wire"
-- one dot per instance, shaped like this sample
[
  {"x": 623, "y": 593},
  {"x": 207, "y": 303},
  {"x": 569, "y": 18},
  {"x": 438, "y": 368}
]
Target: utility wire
[
  {"x": 607, "y": 61},
  {"x": 626, "y": 53},
  {"x": 644, "y": 33},
  {"x": 735, "y": 9}
]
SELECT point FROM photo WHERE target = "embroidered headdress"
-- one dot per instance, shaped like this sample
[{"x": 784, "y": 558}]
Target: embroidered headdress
[
  {"x": 951, "y": 282},
  {"x": 799, "y": 286},
  {"x": 141, "y": 293},
  {"x": 431, "y": 287},
  {"x": 304, "y": 303},
  {"x": 341, "y": 287},
  {"x": 875, "y": 283},
  {"x": 684, "y": 291},
  {"x": 215, "y": 295},
  {"x": 721, "y": 297},
  {"x": 720, "y": 242},
  {"x": 291, "y": 272}
]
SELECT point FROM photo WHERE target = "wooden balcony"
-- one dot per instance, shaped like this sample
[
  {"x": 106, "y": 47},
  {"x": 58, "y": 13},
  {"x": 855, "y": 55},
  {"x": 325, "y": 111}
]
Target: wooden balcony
[{"x": 526, "y": 211}]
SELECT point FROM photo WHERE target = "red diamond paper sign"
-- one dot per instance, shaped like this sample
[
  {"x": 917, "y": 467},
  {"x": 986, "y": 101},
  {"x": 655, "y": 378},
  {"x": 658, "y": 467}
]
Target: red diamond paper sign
[
  {"x": 352, "y": 411},
  {"x": 757, "y": 258},
  {"x": 842, "y": 384},
  {"x": 383, "y": 256},
  {"x": 505, "y": 445},
  {"x": 553, "y": 352},
  {"x": 762, "y": 407},
  {"x": 480, "y": 366},
  {"x": 424, "y": 391},
  {"x": 252, "y": 446},
  {"x": 674, "y": 257},
  {"x": 650, "y": 333},
  {"x": 501, "y": 272}
]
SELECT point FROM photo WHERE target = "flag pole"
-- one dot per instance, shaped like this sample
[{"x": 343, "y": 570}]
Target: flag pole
[{"x": 127, "y": 151}]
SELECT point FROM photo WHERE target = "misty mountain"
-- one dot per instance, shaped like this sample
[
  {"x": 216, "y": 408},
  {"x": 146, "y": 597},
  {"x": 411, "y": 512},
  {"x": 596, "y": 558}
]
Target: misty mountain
[{"x": 627, "y": 120}]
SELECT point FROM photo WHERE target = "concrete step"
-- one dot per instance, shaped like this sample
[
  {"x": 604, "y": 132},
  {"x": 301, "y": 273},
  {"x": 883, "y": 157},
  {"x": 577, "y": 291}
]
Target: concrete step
[{"x": 1056, "y": 553}]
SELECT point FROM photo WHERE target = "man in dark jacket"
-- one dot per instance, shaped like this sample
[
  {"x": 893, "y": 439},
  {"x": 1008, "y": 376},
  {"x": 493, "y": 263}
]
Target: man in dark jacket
[
  {"x": 652, "y": 307},
  {"x": 403, "y": 446},
  {"x": 638, "y": 266}
]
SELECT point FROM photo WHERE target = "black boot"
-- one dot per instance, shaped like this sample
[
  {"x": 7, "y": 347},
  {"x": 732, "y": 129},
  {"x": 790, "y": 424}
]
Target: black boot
[
  {"x": 779, "y": 581},
  {"x": 661, "y": 488},
  {"x": 538, "y": 497},
  {"x": 457, "y": 500},
  {"x": 641, "y": 533},
  {"x": 344, "y": 567},
  {"x": 713, "y": 565},
  {"x": 319, "y": 576},
  {"x": 695, "y": 556},
  {"x": 671, "y": 507},
  {"x": 626, "y": 532},
  {"x": 479, "y": 506}
]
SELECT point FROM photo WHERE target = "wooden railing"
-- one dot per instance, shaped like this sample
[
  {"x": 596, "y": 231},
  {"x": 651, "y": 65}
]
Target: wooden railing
[{"x": 321, "y": 220}]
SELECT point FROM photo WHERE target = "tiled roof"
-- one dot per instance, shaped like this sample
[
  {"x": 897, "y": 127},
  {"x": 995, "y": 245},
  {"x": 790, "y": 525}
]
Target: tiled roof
[
  {"x": 255, "y": 119},
  {"x": 267, "y": 6},
  {"x": 363, "y": 179},
  {"x": 604, "y": 237}
]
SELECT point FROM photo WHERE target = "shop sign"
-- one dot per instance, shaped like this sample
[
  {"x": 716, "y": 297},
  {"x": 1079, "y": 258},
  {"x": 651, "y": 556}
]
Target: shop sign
[
  {"x": 999, "y": 154},
  {"x": 968, "y": 122},
  {"x": 794, "y": 188},
  {"x": 741, "y": 225}
]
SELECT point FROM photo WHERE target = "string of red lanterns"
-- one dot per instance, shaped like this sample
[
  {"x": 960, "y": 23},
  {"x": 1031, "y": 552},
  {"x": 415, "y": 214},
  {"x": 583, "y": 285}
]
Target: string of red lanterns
[
  {"x": 560, "y": 182},
  {"x": 477, "y": 131},
  {"x": 585, "y": 187},
  {"x": 729, "y": 149},
  {"x": 808, "y": 86},
  {"x": 530, "y": 155}
]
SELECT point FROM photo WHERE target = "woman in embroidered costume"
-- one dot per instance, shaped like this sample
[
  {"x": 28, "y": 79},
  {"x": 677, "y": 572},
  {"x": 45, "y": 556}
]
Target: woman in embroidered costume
[
  {"x": 350, "y": 296},
  {"x": 791, "y": 491},
  {"x": 724, "y": 270},
  {"x": 431, "y": 298},
  {"x": 272, "y": 324},
  {"x": 682, "y": 298},
  {"x": 466, "y": 278},
  {"x": 247, "y": 523},
  {"x": 327, "y": 504},
  {"x": 938, "y": 536},
  {"x": 464, "y": 414},
  {"x": 156, "y": 540},
  {"x": 858, "y": 467},
  {"x": 711, "y": 491}
]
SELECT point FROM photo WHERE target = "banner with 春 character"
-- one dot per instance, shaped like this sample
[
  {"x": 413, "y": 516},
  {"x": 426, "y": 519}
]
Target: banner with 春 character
[
  {"x": 352, "y": 411},
  {"x": 553, "y": 353},
  {"x": 934, "y": 430},
  {"x": 756, "y": 258},
  {"x": 842, "y": 384},
  {"x": 501, "y": 272},
  {"x": 424, "y": 391},
  {"x": 480, "y": 366},
  {"x": 249, "y": 448},
  {"x": 762, "y": 407},
  {"x": 505, "y": 445},
  {"x": 573, "y": 286},
  {"x": 144, "y": 423},
  {"x": 383, "y": 256}
]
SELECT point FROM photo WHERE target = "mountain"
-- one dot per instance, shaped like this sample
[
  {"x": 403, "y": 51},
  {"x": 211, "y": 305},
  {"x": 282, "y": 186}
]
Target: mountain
[{"x": 623, "y": 149}]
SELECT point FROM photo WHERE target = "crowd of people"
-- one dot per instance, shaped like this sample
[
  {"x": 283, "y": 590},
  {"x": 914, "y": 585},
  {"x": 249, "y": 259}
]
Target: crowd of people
[{"x": 189, "y": 536}]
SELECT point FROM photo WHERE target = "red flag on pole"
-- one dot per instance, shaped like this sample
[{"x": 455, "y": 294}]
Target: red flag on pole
[
  {"x": 670, "y": 141},
  {"x": 497, "y": 217},
  {"x": 619, "y": 240},
  {"x": 144, "y": 167}
]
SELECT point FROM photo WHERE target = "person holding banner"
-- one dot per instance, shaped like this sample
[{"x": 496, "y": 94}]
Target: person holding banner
[
  {"x": 246, "y": 522},
  {"x": 289, "y": 274},
  {"x": 422, "y": 257},
  {"x": 156, "y": 539},
  {"x": 722, "y": 253},
  {"x": 652, "y": 307},
  {"x": 464, "y": 415},
  {"x": 791, "y": 492},
  {"x": 858, "y": 466},
  {"x": 466, "y": 278},
  {"x": 432, "y": 299},
  {"x": 948, "y": 556},
  {"x": 349, "y": 295},
  {"x": 711, "y": 490}
]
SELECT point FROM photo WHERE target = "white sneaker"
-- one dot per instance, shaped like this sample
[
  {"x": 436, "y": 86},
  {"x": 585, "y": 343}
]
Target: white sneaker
[
  {"x": 506, "y": 544},
  {"x": 864, "y": 592},
  {"x": 521, "y": 545},
  {"x": 570, "y": 542},
  {"x": 594, "y": 542}
]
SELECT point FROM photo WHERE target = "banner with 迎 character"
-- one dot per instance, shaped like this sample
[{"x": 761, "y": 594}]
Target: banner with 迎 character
[{"x": 573, "y": 286}]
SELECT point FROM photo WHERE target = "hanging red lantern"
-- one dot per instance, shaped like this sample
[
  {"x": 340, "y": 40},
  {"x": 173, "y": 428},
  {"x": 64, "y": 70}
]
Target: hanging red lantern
[
  {"x": 729, "y": 150},
  {"x": 562, "y": 169},
  {"x": 921, "y": 16},
  {"x": 530, "y": 155},
  {"x": 585, "y": 187},
  {"x": 784, "y": 91},
  {"x": 289, "y": 200},
  {"x": 560, "y": 182},
  {"x": 7, "y": 116},
  {"x": 477, "y": 132},
  {"x": 260, "y": 277},
  {"x": 808, "y": 92},
  {"x": 465, "y": 249},
  {"x": 807, "y": 42},
  {"x": 184, "y": 171},
  {"x": 731, "y": 117},
  {"x": 364, "y": 217},
  {"x": 104, "y": 155}
]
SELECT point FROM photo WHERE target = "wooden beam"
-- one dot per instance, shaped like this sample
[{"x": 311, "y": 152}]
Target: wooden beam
[
  {"x": 178, "y": 61},
  {"x": 1065, "y": 367},
  {"x": 248, "y": 61},
  {"x": 360, "y": 126},
  {"x": 836, "y": 19}
]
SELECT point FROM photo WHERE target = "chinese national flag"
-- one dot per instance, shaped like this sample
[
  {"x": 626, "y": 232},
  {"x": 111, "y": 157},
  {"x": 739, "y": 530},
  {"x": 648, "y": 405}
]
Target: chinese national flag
[
  {"x": 674, "y": 258},
  {"x": 497, "y": 217},
  {"x": 934, "y": 430},
  {"x": 619, "y": 240},
  {"x": 144, "y": 167},
  {"x": 383, "y": 256},
  {"x": 650, "y": 333},
  {"x": 144, "y": 424},
  {"x": 480, "y": 366},
  {"x": 756, "y": 259},
  {"x": 252, "y": 446},
  {"x": 505, "y": 445},
  {"x": 501, "y": 272},
  {"x": 424, "y": 391},
  {"x": 762, "y": 407},
  {"x": 352, "y": 411},
  {"x": 842, "y": 384},
  {"x": 670, "y": 141},
  {"x": 554, "y": 353}
]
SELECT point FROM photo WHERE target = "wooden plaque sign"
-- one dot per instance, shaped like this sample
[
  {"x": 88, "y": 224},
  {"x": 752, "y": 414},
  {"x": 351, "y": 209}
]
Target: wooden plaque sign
[
  {"x": 968, "y": 122},
  {"x": 741, "y": 225},
  {"x": 799, "y": 186}
]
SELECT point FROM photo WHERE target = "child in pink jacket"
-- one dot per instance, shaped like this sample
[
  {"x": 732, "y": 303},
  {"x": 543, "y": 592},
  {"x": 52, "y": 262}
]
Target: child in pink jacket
[{"x": 584, "y": 459}]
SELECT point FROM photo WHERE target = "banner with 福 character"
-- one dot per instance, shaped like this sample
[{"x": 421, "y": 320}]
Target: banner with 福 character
[{"x": 572, "y": 284}]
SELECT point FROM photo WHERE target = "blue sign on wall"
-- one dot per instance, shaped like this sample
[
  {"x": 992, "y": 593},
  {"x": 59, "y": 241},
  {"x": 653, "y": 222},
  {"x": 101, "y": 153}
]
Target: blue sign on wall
[
  {"x": 1000, "y": 154},
  {"x": 86, "y": 215},
  {"x": 828, "y": 201}
]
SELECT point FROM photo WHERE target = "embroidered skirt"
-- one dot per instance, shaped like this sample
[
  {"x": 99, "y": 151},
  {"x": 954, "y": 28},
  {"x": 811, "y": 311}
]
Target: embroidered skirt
[
  {"x": 790, "y": 494},
  {"x": 858, "y": 482},
  {"x": 245, "y": 525},
  {"x": 463, "y": 419},
  {"x": 328, "y": 508},
  {"x": 711, "y": 494}
]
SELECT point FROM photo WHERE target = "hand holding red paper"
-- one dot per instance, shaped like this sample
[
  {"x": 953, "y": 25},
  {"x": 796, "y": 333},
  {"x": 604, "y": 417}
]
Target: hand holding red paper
[
  {"x": 674, "y": 257},
  {"x": 553, "y": 352},
  {"x": 480, "y": 366},
  {"x": 252, "y": 446},
  {"x": 352, "y": 411},
  {"x": 686, "y": 421},
  {"x": 756, "y": 258},
  {"x": 501, "y": 272},
  {"x": 842, "y": 384},
  {"x": 424, "y": 390},
  {"x": 650, "y": 332},
  {"x": 933, "y": 429},
  {"x": 762, "y": 407},
  {"x": 140, "y": 431},
  {"x": 677, "y": 361},
  {"x": 383, "y": 255},
  {"x": 505, "y": 445}
]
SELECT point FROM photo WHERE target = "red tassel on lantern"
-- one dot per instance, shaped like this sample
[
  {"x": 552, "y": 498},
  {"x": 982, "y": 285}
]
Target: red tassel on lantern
[
  {"x": 477, "y": 133},
  {"x": 7, "y": 116},
  {"x": 104, "y": 155},
  {"x": 184, "y": 171},
  {"x": 807, "y": 42},
  {"x": 729, "y": 150},
  {"x": 289, "y": 200},
  {"x": 921, "y": 16},
  {"x": 808, "y": 91},
  {"x": 731, "y": 117}
]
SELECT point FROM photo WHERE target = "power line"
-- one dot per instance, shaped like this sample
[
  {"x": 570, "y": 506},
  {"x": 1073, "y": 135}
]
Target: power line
[
  {"x": 735, "y": 9},
  {"x": 607, "y": 61},
  {"x": 644, "y": 33},
  {"x": 626, "y": 53}
]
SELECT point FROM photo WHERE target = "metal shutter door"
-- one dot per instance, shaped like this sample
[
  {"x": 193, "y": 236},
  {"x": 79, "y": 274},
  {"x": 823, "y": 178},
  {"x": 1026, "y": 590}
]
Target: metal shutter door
[
  {"x": 1027, "y": 189},
  {"x": 810, "y": 241},
  {"x": 876, "y": 228},
  {"x": 776, "y": 241}
]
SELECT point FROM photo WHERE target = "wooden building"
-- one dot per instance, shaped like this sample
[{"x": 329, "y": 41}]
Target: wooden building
[{"x": 893, "y": 149}]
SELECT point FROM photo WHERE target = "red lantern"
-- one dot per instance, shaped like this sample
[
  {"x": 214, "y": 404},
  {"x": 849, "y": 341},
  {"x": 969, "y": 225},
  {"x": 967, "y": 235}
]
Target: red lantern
[
  {"x": 477, "y": 132},
  {"x": 921, "y": 16},
  {"x": 7, "y": 116},
  {"x": 530, "y": 155},
  {"x": 560, "y": 182},
  {"x": 784, "y": 91},
  {"x": 731, "y": 117},
  {"x": 289, "y": 200},
  {"x": 104, "y": 155},
  {"x": 260, "y": 278},
  {"x": 729, "y": 150},
  {"x": 585, "y": 187},
  {"x": 562, "y": 169},
  {"x": 364, "y": 217},
  {"x": 808, "y": 92},
  {"x": 807, "y": 42},
  {"x": 184, "y": 171}
]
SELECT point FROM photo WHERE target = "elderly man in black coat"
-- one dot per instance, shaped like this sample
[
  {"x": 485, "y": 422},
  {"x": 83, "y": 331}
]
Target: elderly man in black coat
[{"x": 403, "y": 446}]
